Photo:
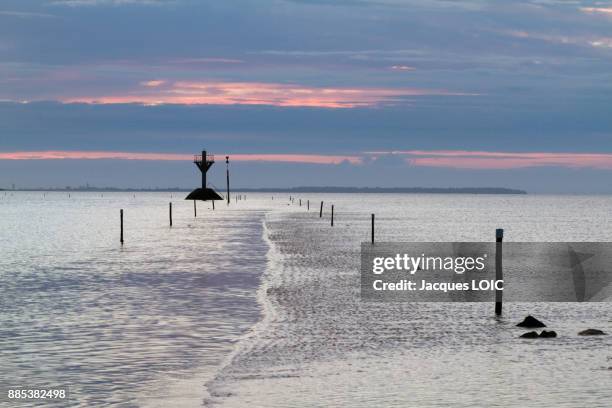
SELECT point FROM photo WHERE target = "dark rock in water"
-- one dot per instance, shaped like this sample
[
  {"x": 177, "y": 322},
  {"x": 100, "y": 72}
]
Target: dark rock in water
[
  {"x": 531, "y": 321},
  {"x": 591, "y": 332},
  {"x": 534, "y": 335}
]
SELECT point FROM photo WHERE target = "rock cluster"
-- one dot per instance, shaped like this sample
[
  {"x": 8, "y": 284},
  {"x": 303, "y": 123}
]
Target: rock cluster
[
  {"x": 532, "y": 322},
  {"x": 535, "y": 335}
]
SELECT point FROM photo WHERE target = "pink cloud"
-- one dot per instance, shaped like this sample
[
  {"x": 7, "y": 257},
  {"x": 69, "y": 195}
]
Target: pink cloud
[
  {"x": 598, "y": 10},
  {"x": 93, "y": 155},
  {"x": 299, "y": 158},
  {"x": 456, "y": 159},
  {"x": 462, "y": 159},
  {"x": 257, "y": 93}
]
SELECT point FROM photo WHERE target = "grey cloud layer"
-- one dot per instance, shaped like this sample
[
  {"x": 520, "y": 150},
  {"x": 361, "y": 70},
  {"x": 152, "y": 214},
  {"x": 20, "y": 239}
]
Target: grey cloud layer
[{"x": 541, "y": 70}]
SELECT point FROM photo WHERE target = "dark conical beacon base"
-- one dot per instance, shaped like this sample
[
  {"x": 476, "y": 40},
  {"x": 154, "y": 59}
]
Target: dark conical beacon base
[{"x": 203, "y": 194}]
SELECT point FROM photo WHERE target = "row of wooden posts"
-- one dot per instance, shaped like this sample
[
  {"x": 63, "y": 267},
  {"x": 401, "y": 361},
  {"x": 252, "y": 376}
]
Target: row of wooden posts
[
  {"x": 321, "y": 212},
  {"x": 241, "y": 197},
  {"x": 499, "y": 237},
  {"x": 195, "y": 213},
  {"x": 195, "y": 208},
  {"x": 332, "y": 214},
  {"x": 320, "y": 209}
]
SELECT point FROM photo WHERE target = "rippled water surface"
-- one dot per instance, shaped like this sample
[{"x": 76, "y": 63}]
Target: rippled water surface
[
  {"x": 258, "y": 304},
  {"x": 143, "y": 324},
  {"x": 319, "y": 345}
]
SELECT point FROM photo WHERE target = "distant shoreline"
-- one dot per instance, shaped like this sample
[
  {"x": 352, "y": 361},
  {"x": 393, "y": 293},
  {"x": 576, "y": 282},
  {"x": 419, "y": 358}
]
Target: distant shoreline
[
  {"x": 404, "y": 190},
  {"x": 313, "y": 189}
]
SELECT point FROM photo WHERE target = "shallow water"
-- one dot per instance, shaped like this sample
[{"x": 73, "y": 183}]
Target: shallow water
[
  {"x": 179, "y": 316},
  {"x": 319, "y": 345},
  {"x": 143, "y": 324}
]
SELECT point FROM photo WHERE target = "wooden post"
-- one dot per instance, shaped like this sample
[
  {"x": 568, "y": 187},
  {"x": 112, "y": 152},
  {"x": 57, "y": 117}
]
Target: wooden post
[
  {"x": 121, "y": 218},
  {"x": 170, "y": 213},
  {"x": 195, "y": 210},
  {"x": 332, "y": 216},
  {"x": 227, "y": 173},
  {"x": 308, "y": 205},
  {"x": 499, "y": 274},
  {"x": 213, "y": 201},
  {"x": 372, "y": 228},
  {"x": 321, "y": 210},
  {"x": 300, "y": 202}
]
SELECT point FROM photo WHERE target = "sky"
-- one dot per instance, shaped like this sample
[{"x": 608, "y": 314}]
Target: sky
[{"x": 410, "y": 93}]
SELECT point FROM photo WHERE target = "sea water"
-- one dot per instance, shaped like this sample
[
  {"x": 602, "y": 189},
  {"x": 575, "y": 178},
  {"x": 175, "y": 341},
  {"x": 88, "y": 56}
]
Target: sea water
[
  {"x": 320, "y": 345},
  {"x": 141, "y": 324},
  {"x": 257, "y": 303}
]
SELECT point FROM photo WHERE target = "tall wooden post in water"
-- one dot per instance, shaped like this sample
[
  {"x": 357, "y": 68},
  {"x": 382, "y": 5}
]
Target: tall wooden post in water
[
  {"x": 227, "y": 176},
  {"x": 121, "y": 221},
  {"x": 372, "y": 228},
  {"x": 499, "y": 274}
]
